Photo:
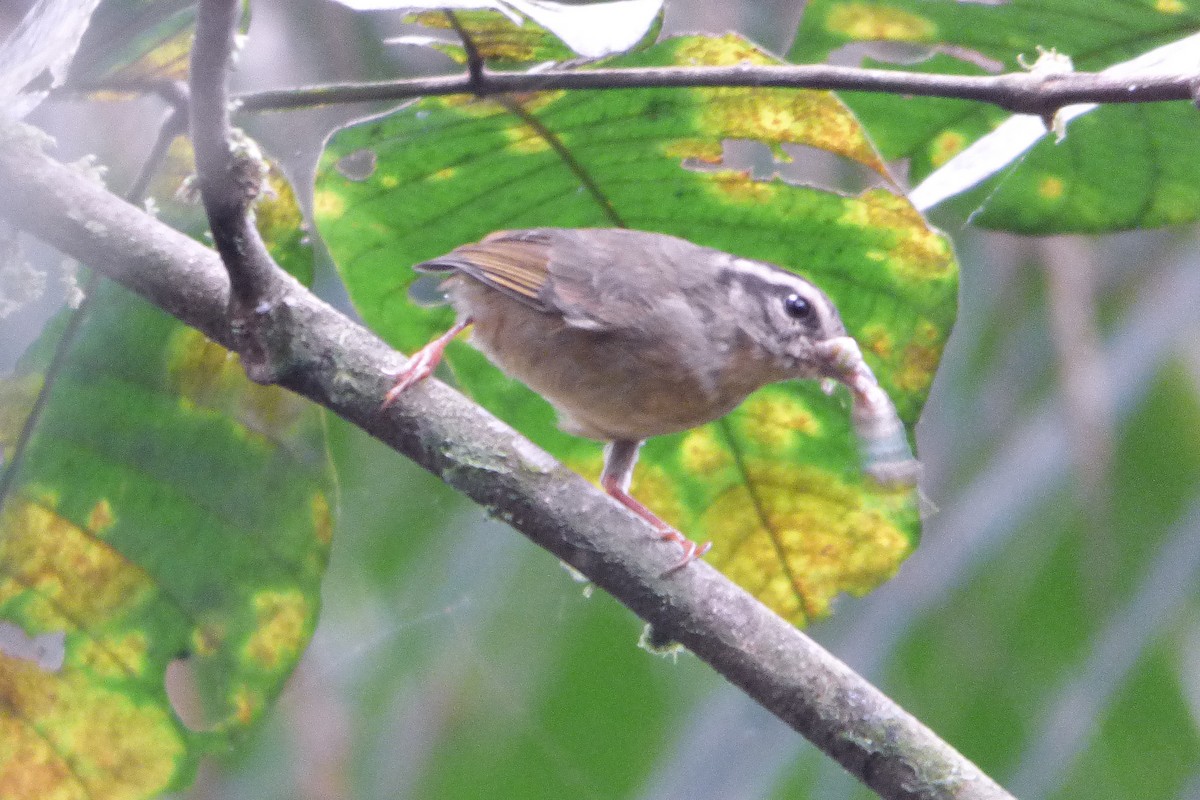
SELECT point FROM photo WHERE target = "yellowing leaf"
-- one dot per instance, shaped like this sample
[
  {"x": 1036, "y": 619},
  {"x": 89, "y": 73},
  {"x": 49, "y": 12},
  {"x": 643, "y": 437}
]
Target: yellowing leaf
[
  {"x": 777, "y": 485},
  {"x": 164, "y": 508}
]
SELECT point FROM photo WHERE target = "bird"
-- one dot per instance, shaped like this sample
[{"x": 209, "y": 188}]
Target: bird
[{"x": 633, "y": 334}]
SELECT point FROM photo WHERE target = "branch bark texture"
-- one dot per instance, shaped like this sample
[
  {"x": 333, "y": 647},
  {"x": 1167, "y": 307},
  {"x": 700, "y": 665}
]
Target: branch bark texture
[
  {"x": 342, "y": 366},
  {"x": 227, "y": 179},
  {"x": 1018, "y": 92},
  {"x": 230, "y": 174}
]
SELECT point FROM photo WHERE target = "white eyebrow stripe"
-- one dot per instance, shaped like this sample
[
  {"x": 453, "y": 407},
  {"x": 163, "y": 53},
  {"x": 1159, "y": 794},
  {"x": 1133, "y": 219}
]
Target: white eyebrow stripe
[{"x": 773, "y": 275}]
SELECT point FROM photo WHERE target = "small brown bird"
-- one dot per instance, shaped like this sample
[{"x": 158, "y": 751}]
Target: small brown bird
[{"x": 630, "y": 334}]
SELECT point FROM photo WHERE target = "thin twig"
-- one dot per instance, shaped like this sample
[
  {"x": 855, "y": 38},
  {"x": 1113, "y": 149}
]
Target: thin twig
[
  {"x": 62, "y": 349},
  {"x": 173, "y": 124},
  {"x": 1019, "y": 92},
  {"x": 475, "y": 65},
  {"x": 346, "y": 369}
]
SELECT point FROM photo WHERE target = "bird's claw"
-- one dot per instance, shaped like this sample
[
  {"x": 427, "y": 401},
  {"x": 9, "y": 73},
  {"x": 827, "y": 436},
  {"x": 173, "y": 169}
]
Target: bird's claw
[
  {"x": 691, "y": 550},
  {"x": 418, "y": 368},
  {"x": 422, "y": 363}
]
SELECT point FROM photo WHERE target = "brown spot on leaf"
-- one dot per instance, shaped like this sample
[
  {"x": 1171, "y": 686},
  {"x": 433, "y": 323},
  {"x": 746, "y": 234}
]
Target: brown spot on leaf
[
  {"x": 322, "y": 518},
  {"x": 773, "y": 419},
  {"x": 739, "y": 185},
  {"x": 1051, "y": 187},
  {"x": 101, "y": 517},
  {"x": 917, "y": 367},
  {"x": 245, "y": 705},
  {"x": 68, "y": 737},
  {"x": 945, "y": 146},
  {"x": 702, "y": 454},
  {"x": 328, "y": 204},
  {"x": 495, "y": 36},
  {"x": 876, "y": 338},
  {"x": 525, "y": 140},
  {"x": 707, "y": 151}
]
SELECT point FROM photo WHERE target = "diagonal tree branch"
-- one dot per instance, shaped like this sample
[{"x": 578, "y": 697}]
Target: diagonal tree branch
[
  {"x": 227, "y": 185},
  {"x": 342, "y": 366},
  {"x": 1018, "y": 92}
]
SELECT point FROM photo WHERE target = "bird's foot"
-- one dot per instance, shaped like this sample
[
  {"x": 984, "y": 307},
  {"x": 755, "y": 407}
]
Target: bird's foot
[
  {"x": 422, "y": 364},
  {"x": 691, "y": 550}
]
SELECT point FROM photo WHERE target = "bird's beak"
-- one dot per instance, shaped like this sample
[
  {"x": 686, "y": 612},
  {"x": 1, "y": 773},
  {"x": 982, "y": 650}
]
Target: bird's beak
[{"x": 840, "y": 359}]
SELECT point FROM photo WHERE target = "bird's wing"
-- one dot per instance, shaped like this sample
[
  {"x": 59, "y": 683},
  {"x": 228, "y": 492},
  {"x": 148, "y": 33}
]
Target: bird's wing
[
  {"x": 528, "y": 265},
  {"x": 515, "y": 266}
]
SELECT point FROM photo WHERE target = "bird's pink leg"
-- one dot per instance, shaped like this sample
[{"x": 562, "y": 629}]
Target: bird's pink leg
[
  {"x": 619, "y": 458},
  {"x": 423, "y": 362}
]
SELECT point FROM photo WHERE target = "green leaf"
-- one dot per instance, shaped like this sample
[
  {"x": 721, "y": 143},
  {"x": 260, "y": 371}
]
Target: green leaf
[
  {"x": 780, "y": 476},
  {"x": 136, "y": 40},
  {"x": 1103, "y": 177},
  {"x": 928, "y": 131},
  {"x": 164, "y": 508},
  {"x": 592, "y": 28},
  {"x": 497, "y": 37},
  {"x": 1119, "y": 168},
  {"x": 1095, "y": 33}
]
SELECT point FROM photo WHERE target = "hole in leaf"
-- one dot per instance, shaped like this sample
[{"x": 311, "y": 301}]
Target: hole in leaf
[
  {"x": 47, "y": 650},
  {"x": 804, "y": 166},
  {"x": 184, "y": 695},
  {"x": 812, "y": 166},
  {"x": 357, "y": 166}
]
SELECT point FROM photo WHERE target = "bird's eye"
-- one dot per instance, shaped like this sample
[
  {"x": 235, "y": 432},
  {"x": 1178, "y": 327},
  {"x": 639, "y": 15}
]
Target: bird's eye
[{"x": 797, "y": 307}]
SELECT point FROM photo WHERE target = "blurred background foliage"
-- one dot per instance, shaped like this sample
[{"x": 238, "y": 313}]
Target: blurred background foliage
[{"x": 1046, "y": 626}]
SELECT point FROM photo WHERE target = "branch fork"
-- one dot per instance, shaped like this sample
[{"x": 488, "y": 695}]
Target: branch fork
[{"x": 230, "y": 175}]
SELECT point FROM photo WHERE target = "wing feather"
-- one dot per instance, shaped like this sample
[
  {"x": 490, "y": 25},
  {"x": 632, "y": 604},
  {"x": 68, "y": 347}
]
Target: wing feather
[{"x": 518, "y": 267}]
